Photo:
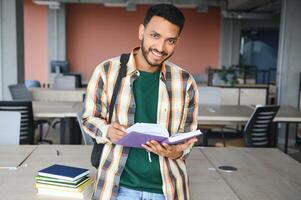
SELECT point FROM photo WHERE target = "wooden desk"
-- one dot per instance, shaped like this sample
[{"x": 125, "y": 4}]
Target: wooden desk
[
  {"x": 50, "y": 94},
  {"x": 46, "y": 109},
  {"x": 204, "y": 181},
  {"x": 12, "y": 156},
  {"x": 231, "y": 113},
  {"x": 223, "y": 114},
  {"x": 227, "y": 114},
  {"x": 67, "y": 112},
  {"x": 19, "y": 184},
  {"x": 262, "y": 173}
]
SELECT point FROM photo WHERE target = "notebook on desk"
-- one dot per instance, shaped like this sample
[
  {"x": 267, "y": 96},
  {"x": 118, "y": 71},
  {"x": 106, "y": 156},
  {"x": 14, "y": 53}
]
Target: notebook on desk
[{"x": 64, "y": 172}]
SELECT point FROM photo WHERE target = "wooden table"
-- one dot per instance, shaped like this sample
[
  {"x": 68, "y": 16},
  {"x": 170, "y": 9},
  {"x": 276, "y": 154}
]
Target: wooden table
[
  {"x": 51, "y": 94},
  {"x": 262, "y": 173},
  {"x": 19, "y": 184},
  {"x": 11, "y": 156},
  {"x": 59, "y": 109},
  {"x": 219, "y": 114},
  {"x": 204, "y": 181},
  {"x": 265, "y": 174},
  {"x": 67, "y": 112},
  {"x": 229, "y": 114}
]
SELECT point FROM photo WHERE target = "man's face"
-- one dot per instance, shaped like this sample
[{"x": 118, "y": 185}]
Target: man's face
[{"x": 158, "y": 40}]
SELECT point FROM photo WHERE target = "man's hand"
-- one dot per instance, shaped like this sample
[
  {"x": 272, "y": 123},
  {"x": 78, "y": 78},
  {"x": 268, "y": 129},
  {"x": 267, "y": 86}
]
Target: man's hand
[
  {"x": 170, "y": 151},
  {"x": 116, "y": 132}
]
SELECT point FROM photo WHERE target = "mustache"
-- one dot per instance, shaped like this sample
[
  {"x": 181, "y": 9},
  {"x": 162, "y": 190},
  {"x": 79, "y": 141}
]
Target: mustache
[{"x": 156, "y": 50}]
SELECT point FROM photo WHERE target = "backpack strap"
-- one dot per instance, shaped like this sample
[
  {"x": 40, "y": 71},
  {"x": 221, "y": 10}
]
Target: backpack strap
[{"x": 124, "y": 58}]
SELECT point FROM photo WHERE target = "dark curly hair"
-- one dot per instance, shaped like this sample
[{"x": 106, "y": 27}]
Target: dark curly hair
[{"x": 168, "y": 12}]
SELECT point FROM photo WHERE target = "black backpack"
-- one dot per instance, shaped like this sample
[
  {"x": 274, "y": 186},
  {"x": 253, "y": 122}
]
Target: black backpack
[{"x": 97, "y": 148}]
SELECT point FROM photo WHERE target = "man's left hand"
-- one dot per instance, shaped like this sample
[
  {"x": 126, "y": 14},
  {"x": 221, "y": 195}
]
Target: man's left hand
[{"x": 170, "y": 151}]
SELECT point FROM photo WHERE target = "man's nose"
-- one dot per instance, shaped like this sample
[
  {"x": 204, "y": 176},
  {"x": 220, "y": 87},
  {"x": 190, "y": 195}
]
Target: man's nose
[{"x": 160, "y": 46}]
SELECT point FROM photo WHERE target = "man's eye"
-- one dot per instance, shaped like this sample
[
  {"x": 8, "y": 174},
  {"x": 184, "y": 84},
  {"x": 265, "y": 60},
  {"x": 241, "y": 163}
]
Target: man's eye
[
  {"x": 171, "y": 42},
  {"x": 155, "y": 35}
]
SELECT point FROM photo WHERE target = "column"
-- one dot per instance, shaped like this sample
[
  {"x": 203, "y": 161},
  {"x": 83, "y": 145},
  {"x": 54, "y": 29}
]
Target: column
[
  {"x": 56, "y": 35},
  {"x": 11, "y": 45},
  {"x": 289, "y": 59}
]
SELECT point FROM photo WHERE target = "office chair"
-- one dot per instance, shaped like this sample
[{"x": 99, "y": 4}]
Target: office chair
[
  {"x": 27, "y": 123},
  {"x": 10, "y": 127},
  {"x": 19, "y": 92},
  {"x": 258, "y": 131}
]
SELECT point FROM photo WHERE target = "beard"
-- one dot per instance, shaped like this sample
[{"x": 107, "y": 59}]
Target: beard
[{"x": 146, "y": 52}]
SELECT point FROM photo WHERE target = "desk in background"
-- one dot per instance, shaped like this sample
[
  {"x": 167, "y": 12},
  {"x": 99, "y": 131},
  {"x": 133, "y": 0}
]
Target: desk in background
[
  {"x": 50, "y": 94},
  {"x": 67, "y": 112},
  {"x": 229, "y": 114}
]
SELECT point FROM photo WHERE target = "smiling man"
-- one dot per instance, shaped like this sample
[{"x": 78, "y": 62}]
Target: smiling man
[{"x": 153, "y": 91}]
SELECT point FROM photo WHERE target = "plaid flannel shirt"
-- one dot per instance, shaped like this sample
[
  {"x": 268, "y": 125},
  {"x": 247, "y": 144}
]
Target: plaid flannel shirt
[{"x": 177, "y": 111}]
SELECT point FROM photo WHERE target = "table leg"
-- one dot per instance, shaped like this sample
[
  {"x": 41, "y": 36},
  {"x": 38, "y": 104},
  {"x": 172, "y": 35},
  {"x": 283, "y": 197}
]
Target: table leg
[
  {"x": 205, "y": 138},
  {"x": 286, "y": 137},
  {"x": 70, "y": 131},
  {"x": 75, "y": 132},
  {"x": 63, "y": 137}
]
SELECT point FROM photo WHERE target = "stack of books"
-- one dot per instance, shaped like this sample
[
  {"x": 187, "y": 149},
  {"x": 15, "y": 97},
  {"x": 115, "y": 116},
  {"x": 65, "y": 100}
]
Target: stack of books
[{"x": 66, "y": 181}]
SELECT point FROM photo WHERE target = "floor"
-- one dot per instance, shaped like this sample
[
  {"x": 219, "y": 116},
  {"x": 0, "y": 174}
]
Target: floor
[{"x": 235, "y": 141}]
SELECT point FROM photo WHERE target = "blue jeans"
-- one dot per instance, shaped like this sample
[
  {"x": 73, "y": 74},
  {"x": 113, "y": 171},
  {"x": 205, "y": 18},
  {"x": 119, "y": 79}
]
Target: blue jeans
[{"x": 129, "y": 194}]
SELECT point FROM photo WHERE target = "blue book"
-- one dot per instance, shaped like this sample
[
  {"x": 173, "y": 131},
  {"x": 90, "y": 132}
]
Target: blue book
[{"x": 64, "y": 172}]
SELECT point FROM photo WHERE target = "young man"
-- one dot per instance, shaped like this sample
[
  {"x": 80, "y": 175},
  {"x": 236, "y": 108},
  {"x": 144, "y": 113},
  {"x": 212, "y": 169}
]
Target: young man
[{"x": 153, "y": 91}]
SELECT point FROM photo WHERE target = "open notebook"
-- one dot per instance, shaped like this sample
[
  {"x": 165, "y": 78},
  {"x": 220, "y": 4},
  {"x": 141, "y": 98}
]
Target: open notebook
[{"x": 140, "y": 133}]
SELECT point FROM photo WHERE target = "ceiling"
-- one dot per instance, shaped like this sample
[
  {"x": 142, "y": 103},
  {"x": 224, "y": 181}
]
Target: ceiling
[{"x": 266, "y": 7}]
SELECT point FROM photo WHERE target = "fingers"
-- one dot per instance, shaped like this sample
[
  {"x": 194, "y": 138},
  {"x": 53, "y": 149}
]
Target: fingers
[
  {"x": 116, "y": 132},
  {"x": 155, "y": 147},
  {"x": 186, "y": 144},
  {"x": 118, "y": 126}
]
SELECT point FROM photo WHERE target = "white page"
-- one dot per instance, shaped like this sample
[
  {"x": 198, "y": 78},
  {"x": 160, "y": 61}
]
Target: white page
[
  {"x": 148, "y": 128},
  {"x": 183, "y": 136}
]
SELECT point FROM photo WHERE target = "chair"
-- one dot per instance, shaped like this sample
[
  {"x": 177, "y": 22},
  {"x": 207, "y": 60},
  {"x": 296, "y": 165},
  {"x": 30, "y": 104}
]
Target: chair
[
  {"x": 20, "y": 92},
  {"x": 27, "y": 123},
  {"x": 87, "y": 138},
  {"x": 258, "y": 130},
  {"x": 10, "y": 127}
]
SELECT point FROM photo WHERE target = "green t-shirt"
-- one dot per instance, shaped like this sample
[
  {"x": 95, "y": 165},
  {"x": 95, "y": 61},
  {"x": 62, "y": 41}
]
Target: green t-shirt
[{"x": 139, "y": 173}]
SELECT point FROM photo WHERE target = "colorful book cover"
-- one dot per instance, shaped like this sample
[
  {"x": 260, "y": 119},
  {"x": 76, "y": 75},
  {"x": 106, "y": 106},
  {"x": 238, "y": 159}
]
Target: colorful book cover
[
  {"x": 85, "y": 193},
  {"x": 62, "y": 188},
  {"x": 64, "y": 184},
  {"x": 49, "y": 179},
  {"x": 64, "y": 172}
]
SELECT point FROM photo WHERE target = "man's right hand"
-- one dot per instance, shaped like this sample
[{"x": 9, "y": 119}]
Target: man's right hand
[{"x": 116, "y": 132}]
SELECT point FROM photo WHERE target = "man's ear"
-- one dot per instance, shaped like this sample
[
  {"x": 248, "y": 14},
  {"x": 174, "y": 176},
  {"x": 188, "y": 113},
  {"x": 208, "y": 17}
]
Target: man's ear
[{"x": 141, "y": 31}]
